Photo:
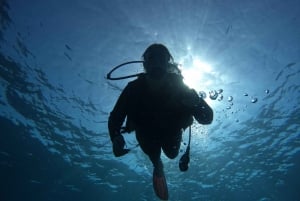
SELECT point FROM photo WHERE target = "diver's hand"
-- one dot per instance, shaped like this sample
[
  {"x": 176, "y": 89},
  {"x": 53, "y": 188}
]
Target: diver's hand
[{"x": 118, "y": 146}]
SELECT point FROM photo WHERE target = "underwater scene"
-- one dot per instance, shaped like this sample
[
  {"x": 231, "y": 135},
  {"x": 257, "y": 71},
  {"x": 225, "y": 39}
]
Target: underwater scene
[{"x": 242, "y": 57}]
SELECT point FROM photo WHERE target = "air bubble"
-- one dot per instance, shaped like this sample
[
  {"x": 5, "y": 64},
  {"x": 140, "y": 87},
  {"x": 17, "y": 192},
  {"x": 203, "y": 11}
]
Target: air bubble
[
  {"x": 220, "y": 97},
  {"x": 202, "y": 94},
  {"x": 220, "y": 91},
  {"x": 254, "y": 100},
  {"x": 213, "y": 95},
  {"x": 230, "y": 98}
]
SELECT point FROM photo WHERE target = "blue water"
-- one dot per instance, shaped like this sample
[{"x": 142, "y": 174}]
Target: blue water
[{"x": 55, "y": 100}]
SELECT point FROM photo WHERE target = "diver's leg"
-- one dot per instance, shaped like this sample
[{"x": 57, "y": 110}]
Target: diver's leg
[
  {"x": 171, "y": 144},
  {"x": 152, "y": 147}
]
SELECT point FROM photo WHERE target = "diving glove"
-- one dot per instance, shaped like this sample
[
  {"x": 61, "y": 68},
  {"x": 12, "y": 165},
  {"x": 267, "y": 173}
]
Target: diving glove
[{"x": 118, "y": 146}]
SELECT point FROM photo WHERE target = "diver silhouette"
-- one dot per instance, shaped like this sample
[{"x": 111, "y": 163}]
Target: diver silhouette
[{"x": 158, "y": 106}]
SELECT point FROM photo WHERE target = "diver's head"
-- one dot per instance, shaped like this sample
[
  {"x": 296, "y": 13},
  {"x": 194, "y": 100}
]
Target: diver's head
[{"x": 157, "y": 59}]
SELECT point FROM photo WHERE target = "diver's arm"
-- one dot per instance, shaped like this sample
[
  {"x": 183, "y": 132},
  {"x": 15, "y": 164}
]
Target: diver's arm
[
  {"x": 203, "y": 112},
  {"x": 115, "y": 121},
  {"x": 117, "y": 115}
]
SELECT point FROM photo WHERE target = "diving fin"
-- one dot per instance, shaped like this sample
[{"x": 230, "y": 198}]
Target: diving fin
[{"x": 160, "y": 186}]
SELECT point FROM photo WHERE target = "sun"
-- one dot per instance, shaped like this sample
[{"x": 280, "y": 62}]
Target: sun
[
  {"x": 194, "y": 72},
  {"x": 197, "y": 75}
]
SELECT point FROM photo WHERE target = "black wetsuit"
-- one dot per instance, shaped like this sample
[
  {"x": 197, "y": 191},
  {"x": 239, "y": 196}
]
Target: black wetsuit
[{"x": 158, "y": 114}]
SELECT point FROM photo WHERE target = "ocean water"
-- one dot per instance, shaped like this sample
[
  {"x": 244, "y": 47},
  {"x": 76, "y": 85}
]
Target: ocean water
[{"x": 243, "y": 57}]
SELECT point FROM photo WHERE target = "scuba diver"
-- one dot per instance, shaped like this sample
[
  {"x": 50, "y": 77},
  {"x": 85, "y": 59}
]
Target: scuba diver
[{"x": 158, "y": 106}]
